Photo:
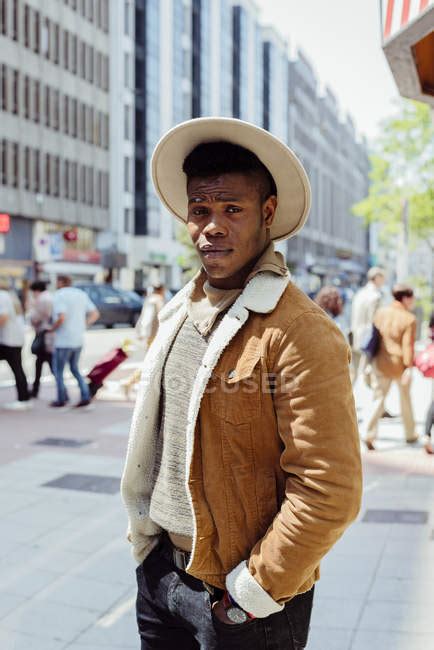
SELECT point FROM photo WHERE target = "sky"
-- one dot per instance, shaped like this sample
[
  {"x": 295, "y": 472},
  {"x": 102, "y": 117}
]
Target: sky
[{"x": 341, "y": 38}]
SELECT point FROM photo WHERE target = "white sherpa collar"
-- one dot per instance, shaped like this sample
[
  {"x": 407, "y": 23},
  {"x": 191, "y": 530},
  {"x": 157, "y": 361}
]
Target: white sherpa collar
[{"x": 260, "y": 295}]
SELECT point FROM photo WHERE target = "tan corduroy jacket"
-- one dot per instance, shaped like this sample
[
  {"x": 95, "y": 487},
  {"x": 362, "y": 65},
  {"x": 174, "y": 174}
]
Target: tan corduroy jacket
[
  {"x": 397, "y": 327},
  {"x": 273, "y": 455}
]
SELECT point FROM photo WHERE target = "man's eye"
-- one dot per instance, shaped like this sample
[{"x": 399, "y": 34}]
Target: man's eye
[
  {"x": 233, "y": 209},
  {"x": 198, "y": 212}
]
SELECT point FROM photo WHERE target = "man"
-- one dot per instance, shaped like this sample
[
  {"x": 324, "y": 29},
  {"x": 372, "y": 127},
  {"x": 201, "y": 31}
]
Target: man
[
  {"x": 11, "y": 343},
  {"x": 73, "y": 311},
  {"x": 40, "y": 317},
  {"x": 365, "y": 303},
  {"x": 397, "y": 327},
  {"x": 243, "y": 465}
]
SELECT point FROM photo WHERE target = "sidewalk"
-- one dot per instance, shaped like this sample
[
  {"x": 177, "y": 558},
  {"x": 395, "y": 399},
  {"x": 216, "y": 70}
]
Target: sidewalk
[{"x": 68, "y": 579}]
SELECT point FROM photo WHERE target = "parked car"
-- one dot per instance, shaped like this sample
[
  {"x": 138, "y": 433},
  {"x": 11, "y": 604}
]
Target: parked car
[{"x": 114, "y": 305}]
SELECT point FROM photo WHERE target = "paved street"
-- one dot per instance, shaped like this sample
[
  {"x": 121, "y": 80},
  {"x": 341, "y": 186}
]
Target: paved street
[{"x": 67, "y": 579}]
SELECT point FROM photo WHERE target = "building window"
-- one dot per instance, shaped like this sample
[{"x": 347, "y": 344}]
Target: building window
[
  {"x": 73, "y": 189},
  {"x": 27, "y": 168},
  {"x": 90, "y": 10},
  {"x": 56, "y": 43},
  {"x": 127, "y": 220},
  {"x": 15, "y": 91},
  {"x": 74, "y": 53},
  {"x": 27, "y": 97},
  {"x": 3, "y": 162},
  {"x": 82, "y": 60},
  {"x": 3, "y": 20},
  {"x": 74, "y": 118},
  {"x": 15, "y": 20},
  {"x": 105, "y": 15},
  {"x": 27, "y": 26},
  {"x": 127, "y": 122},
  {"x": 98, "y": 64},
  {"x": 89, "y": 188},
  {"x": 36, "y": 101},
  {"x": 46, "y": 38},
  {"x": 47, "y": 106},
  {"x": 90, "y": 64},
  {"x": 65, "y": 38},
  {"x": 37, "y": 171},
  {"x": 15, "y": 165},
  {"x": 65, "y": 114},
  {"x": 127, "y": 64},
  {"x": 127, "y": 18},
  {"x": 4, "y": 87},
  {"x": 56, "y": 109},
  {"x": 106, "y": 190},
  {"x": 47, "y": 174},
  {"x": 83, "y": 184},
  {"x": 105, "y": 73},
  {"x": 127, "y": 174},
  {"x": 56, "y": 188},
  {"x": 82, "y": 124},
  {"x": 98, "y": 190},
  {"x": 37, "y": 32},
  {"x": 90, "y": 125},
  {"x": 66, "y": 179}
]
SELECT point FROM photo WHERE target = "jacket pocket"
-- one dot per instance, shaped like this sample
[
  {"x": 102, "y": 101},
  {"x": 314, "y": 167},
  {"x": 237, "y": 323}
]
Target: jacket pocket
[{"x": 236, "y": 391}]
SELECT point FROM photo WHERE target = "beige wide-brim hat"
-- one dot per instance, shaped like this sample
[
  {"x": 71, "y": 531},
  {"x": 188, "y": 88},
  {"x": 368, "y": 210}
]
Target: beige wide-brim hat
[{"x": 293, "y": 188}]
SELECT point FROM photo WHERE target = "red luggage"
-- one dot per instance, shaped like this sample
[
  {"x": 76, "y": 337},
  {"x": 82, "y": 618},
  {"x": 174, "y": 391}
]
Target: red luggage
[{"x": 104, "y": 367}]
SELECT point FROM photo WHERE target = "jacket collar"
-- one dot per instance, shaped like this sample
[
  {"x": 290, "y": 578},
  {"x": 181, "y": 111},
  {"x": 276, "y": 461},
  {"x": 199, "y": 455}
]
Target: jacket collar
[{"x": 261, "y": 295}]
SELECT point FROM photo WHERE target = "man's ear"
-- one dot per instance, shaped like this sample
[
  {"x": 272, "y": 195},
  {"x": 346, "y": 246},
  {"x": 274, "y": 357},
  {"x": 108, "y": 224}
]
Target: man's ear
[{"x": 268, "y": 210}]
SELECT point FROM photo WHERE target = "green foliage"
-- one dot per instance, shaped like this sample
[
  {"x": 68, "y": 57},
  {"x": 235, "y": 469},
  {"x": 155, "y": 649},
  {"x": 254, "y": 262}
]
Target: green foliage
[
  {"x": 402, "y": 169},
  {"x": 189, "y": 261}
]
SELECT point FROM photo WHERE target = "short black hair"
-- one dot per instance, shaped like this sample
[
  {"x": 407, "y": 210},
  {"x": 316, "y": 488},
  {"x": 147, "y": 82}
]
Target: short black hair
[
  {"x": 401, "y": 291},
  {"x": 38, "y": 285},
  {"x": 215, "y": 158}
]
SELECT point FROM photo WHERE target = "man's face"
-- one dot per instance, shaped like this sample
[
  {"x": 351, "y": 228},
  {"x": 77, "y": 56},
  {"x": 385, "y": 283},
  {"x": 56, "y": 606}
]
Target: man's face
[
  {"x": 379, "y": 280},
  {"x": 228, "y": 222}
]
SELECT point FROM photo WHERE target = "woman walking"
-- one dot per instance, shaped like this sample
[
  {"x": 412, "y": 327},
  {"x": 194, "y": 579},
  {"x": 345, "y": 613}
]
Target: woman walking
[{"x": 40, "y": 317}]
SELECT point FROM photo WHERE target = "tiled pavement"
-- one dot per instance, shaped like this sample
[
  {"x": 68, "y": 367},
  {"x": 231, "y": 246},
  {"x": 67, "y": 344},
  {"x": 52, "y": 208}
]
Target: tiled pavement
[{"x": 67, "y": 578}]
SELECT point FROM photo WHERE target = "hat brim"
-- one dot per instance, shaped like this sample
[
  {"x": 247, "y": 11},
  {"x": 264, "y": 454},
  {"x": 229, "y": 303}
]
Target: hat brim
[{"x": 293, "y": 188}]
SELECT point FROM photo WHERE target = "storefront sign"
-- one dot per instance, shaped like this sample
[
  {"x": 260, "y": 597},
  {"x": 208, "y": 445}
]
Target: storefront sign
[
  {"x": 5, "y": 223},
  {"x": 75, "y": 255}
]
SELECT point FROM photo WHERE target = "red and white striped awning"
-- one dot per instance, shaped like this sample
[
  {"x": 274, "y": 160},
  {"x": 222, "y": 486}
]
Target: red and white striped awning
[{"x": 397, "y": 14}]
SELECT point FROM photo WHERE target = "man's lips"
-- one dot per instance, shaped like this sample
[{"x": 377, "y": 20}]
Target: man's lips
[{"x": 213, "y": 252}]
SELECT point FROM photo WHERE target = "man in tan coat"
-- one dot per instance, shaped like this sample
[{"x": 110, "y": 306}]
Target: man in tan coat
[
  {"x": 397, "y": 327},
  {"x": 243, "y": 464}
]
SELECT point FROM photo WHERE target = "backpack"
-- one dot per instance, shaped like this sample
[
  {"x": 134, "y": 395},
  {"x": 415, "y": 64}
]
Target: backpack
[{"x": 371, "y": 344}]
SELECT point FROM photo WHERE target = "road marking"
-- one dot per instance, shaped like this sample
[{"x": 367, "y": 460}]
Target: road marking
[{"x": 112, "y": 617}]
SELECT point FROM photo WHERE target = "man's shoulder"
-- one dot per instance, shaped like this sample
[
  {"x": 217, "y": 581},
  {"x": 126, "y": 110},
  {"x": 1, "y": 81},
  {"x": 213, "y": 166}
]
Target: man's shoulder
[{"x": 295, "y": 304}]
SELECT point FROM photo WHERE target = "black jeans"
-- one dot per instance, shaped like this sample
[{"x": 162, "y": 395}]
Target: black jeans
[
  {"x": 40, "y": 360},
  {"x": 174, "y": 611},
  {"x": 12, "y": 356}
]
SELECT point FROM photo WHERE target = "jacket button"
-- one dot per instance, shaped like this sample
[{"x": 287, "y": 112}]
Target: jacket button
[{"x": 231, "y": 374}]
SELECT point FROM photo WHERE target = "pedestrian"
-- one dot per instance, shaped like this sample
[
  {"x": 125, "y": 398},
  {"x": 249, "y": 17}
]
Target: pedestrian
[
  {"x": 243, "y": 464},
  {"x": 12, "y": 333},
  {"x": 425, "y": 363},
  {"x": 73, "y": 311},
  {"x": 146, "y": 329},
  {"x": 393, "y": 362},
  {"x": 41, "y": 313},
  {"x": 329, "y": 299},
  {"x": 365, "y": 303}
]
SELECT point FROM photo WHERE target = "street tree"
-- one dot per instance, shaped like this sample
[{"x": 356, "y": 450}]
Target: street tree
[{"x": 401, "y": 192}]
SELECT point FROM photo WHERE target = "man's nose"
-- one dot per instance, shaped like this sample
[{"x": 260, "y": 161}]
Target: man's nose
[{"x": 215, "y": 226}]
